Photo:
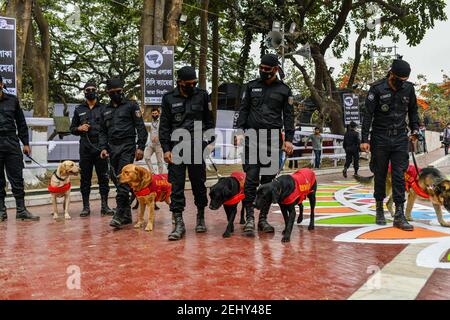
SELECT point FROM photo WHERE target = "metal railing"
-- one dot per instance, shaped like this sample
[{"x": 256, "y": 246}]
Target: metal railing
[{"x": 225, "y": 148}]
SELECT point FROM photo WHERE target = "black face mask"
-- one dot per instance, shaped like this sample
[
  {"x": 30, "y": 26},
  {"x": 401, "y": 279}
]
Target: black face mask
[
  {"x": 398, "y": 83},
  {"x": 155, "y": 117},
  {"x": 91, "y": 96},
  {"x": 188, "y": 90},
  {"x": 116, "y": 97},
  {"x": 265, "y": 75}
]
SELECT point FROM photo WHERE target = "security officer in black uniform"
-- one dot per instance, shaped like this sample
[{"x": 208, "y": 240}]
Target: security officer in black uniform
[
  {"x": 181, "y": 108},
  {"x": 120, "y": 121},
  {"x": 388, "y": 103},
  {"x": 12, "y": 128},
  {"x": 267, "y": 103},
  {"x": 86, "y": 123}
]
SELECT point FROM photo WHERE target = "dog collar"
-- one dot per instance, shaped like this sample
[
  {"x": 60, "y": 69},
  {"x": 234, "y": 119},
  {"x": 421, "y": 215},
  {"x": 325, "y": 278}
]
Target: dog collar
[{"x": 58, "y": 177}]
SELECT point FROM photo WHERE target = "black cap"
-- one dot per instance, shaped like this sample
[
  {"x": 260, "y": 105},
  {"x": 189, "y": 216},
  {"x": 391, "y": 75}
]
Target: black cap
[
  {"x": 353, "y": 124},
  {"x": 187, "y": 73},
  {"x": 270, "y": 60},
  {"x": 91, "y": 84},
  {"x": 114, "y": 83},
  {"x": 400, "y": 68}
]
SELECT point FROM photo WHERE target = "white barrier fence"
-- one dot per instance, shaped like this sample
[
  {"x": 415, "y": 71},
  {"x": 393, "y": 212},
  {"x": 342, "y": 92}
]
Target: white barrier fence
[{"x": 231, "y": 152}]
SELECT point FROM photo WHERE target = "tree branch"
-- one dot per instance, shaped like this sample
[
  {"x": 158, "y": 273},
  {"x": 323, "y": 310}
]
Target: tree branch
[{"x": 340, "y": 22}]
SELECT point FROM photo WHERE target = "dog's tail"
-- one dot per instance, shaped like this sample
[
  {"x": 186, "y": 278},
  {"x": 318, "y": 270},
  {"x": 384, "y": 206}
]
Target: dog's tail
[{"x": 366, "y": 181}]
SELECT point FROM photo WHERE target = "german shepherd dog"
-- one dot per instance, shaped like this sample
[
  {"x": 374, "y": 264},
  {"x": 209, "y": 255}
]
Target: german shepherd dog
[
  {"x": 431, "y": 181},
  {"x": 280, "y": 189},
  {"x": 224, "y": 189}
]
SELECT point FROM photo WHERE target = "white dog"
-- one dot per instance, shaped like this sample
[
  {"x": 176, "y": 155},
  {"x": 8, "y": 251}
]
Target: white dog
[{"x": 60, "y": 186}]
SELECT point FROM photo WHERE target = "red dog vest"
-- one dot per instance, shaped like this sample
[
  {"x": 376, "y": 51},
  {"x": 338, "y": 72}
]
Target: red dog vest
[
  {"x": 160, "y": 184},
  {"x": 411, "y": 179},
  {"x": 304, "y": 181},
  {"x": 240, "y": 177},
  {"x": 62, "y": 189}
]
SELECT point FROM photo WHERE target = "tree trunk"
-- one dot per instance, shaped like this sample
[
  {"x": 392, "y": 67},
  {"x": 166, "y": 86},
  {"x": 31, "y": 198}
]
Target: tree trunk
[
  {"x": 215, "y": 65},
  {"x": 38, "y": 55},
  {"x": 204, "y": 44},
  {"x": 172, "y": 27},
  {"x": 22, "y": 11},
  {"x": 158, "y": 36},
  {"x": 145, "y": 38},
  {"x": 357, "y": 59}
]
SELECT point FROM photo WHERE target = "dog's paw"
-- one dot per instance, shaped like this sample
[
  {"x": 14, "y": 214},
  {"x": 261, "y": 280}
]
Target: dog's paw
[
  {"x": 138, "y": 225},
  {"x": 148, "y": 228},
  {"x": 286, "y": 239},
  {"x": 445, "y": 224},
  {"x": 226, "y": 234},
  {"x": 67, "y": 217},
  {"x": 55, "y": 216}
]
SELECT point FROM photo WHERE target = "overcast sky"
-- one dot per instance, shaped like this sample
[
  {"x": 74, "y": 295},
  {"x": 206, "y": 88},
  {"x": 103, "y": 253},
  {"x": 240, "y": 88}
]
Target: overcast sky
[{"x": 429, "y": 57}]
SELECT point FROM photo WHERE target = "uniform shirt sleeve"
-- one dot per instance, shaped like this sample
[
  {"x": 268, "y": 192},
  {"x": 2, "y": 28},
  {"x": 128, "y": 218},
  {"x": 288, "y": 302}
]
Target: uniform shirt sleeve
[
  {"x": 288, "y": 118},
  {"x": 22, "y": 128},
  {"x": 140, "y": 126},
  {"x": 413, "y": 115},
  {"x": 371, "y": 104},
  {"x": 165, "y": 125},
  {"x": 75, "y": 124},
  {"x": 103, "y": 134},
  {"x": 244, "y": 109}
]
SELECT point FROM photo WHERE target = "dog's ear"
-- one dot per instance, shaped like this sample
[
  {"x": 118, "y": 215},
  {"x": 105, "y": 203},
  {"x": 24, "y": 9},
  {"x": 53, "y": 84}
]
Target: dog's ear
[
  {"x": 276, "y": 193},
  {"x": 144, "y": 177}
]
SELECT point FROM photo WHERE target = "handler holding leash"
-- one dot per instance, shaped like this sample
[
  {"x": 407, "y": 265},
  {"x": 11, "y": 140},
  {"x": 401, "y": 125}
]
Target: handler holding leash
[
  {"x": 120, "y": 121},
  {"x": 389, "y": 102},
  {"x": 266, "y": 104},
  {"x": 11, "y": 159},
  {"x": 86, "y": 123}
]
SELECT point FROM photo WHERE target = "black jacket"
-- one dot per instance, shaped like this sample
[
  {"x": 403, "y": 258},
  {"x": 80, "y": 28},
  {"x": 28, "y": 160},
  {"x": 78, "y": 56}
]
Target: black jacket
[
  {"x": 82, "y": 115},
  {"x": 267, "y": 107},
  {"x": 12, "y": 118},
  {"x": 351, "y": 141},
  {"x": 118, "y": 125},
  {"x": 179, "y": 112},
  {"x": 400, "y": 104}
]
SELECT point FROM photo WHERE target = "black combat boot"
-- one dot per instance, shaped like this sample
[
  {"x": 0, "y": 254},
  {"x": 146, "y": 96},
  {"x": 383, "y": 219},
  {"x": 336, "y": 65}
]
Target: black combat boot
[
  {"x": 263, "y": 225},
  {"x": 344, "y": 172},
  {"x": 380, "y": 220},
  {"x": 86, "y": 208},
  {"x": 249, "y": 227},
  {"x": 127, "y": 218},
  {"x": 117, "y": 218},
  {"x": 105, "y": 209},
  {"x": 22, "y": 213},
  {"x": 3, "y": 214},
  {"x": 179, "y": 230},
  {"x": 400, "y": 220},
  {"x": 201, "y": 226}
]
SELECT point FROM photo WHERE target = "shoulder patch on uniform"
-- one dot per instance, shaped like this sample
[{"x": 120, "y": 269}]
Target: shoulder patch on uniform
[
  {"x": 178, "y": 104},
  {"x": 371, "y": 96}
]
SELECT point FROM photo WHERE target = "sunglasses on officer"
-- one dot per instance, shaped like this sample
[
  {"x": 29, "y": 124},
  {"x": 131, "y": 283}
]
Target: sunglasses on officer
[
  {"x": 265, "y": 68},
  {"x": 188, "y": 83},
  {"x": 118, "y": 90},
  {"x": 90, "y": 89}
]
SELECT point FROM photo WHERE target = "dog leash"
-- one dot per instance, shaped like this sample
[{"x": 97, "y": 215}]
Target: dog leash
[
  {"x": 40, "y": 165},
  {"x": 414, "y": 157},
  {"x": 282, "y": 165},
  {"x": 214, "y": 166}
]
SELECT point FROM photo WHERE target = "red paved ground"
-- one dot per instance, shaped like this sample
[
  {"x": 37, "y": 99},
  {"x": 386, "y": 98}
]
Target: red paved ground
[
  {"x": 437, "y": 287},
  {"x": 132, "y": 264}
]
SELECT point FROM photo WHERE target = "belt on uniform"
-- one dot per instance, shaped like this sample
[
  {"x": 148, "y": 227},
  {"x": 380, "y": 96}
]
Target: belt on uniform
[
  {"x": 8, "y": 133},
  {"x": 123, "y": 141},
  {"x": 391, "y": 132}
]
